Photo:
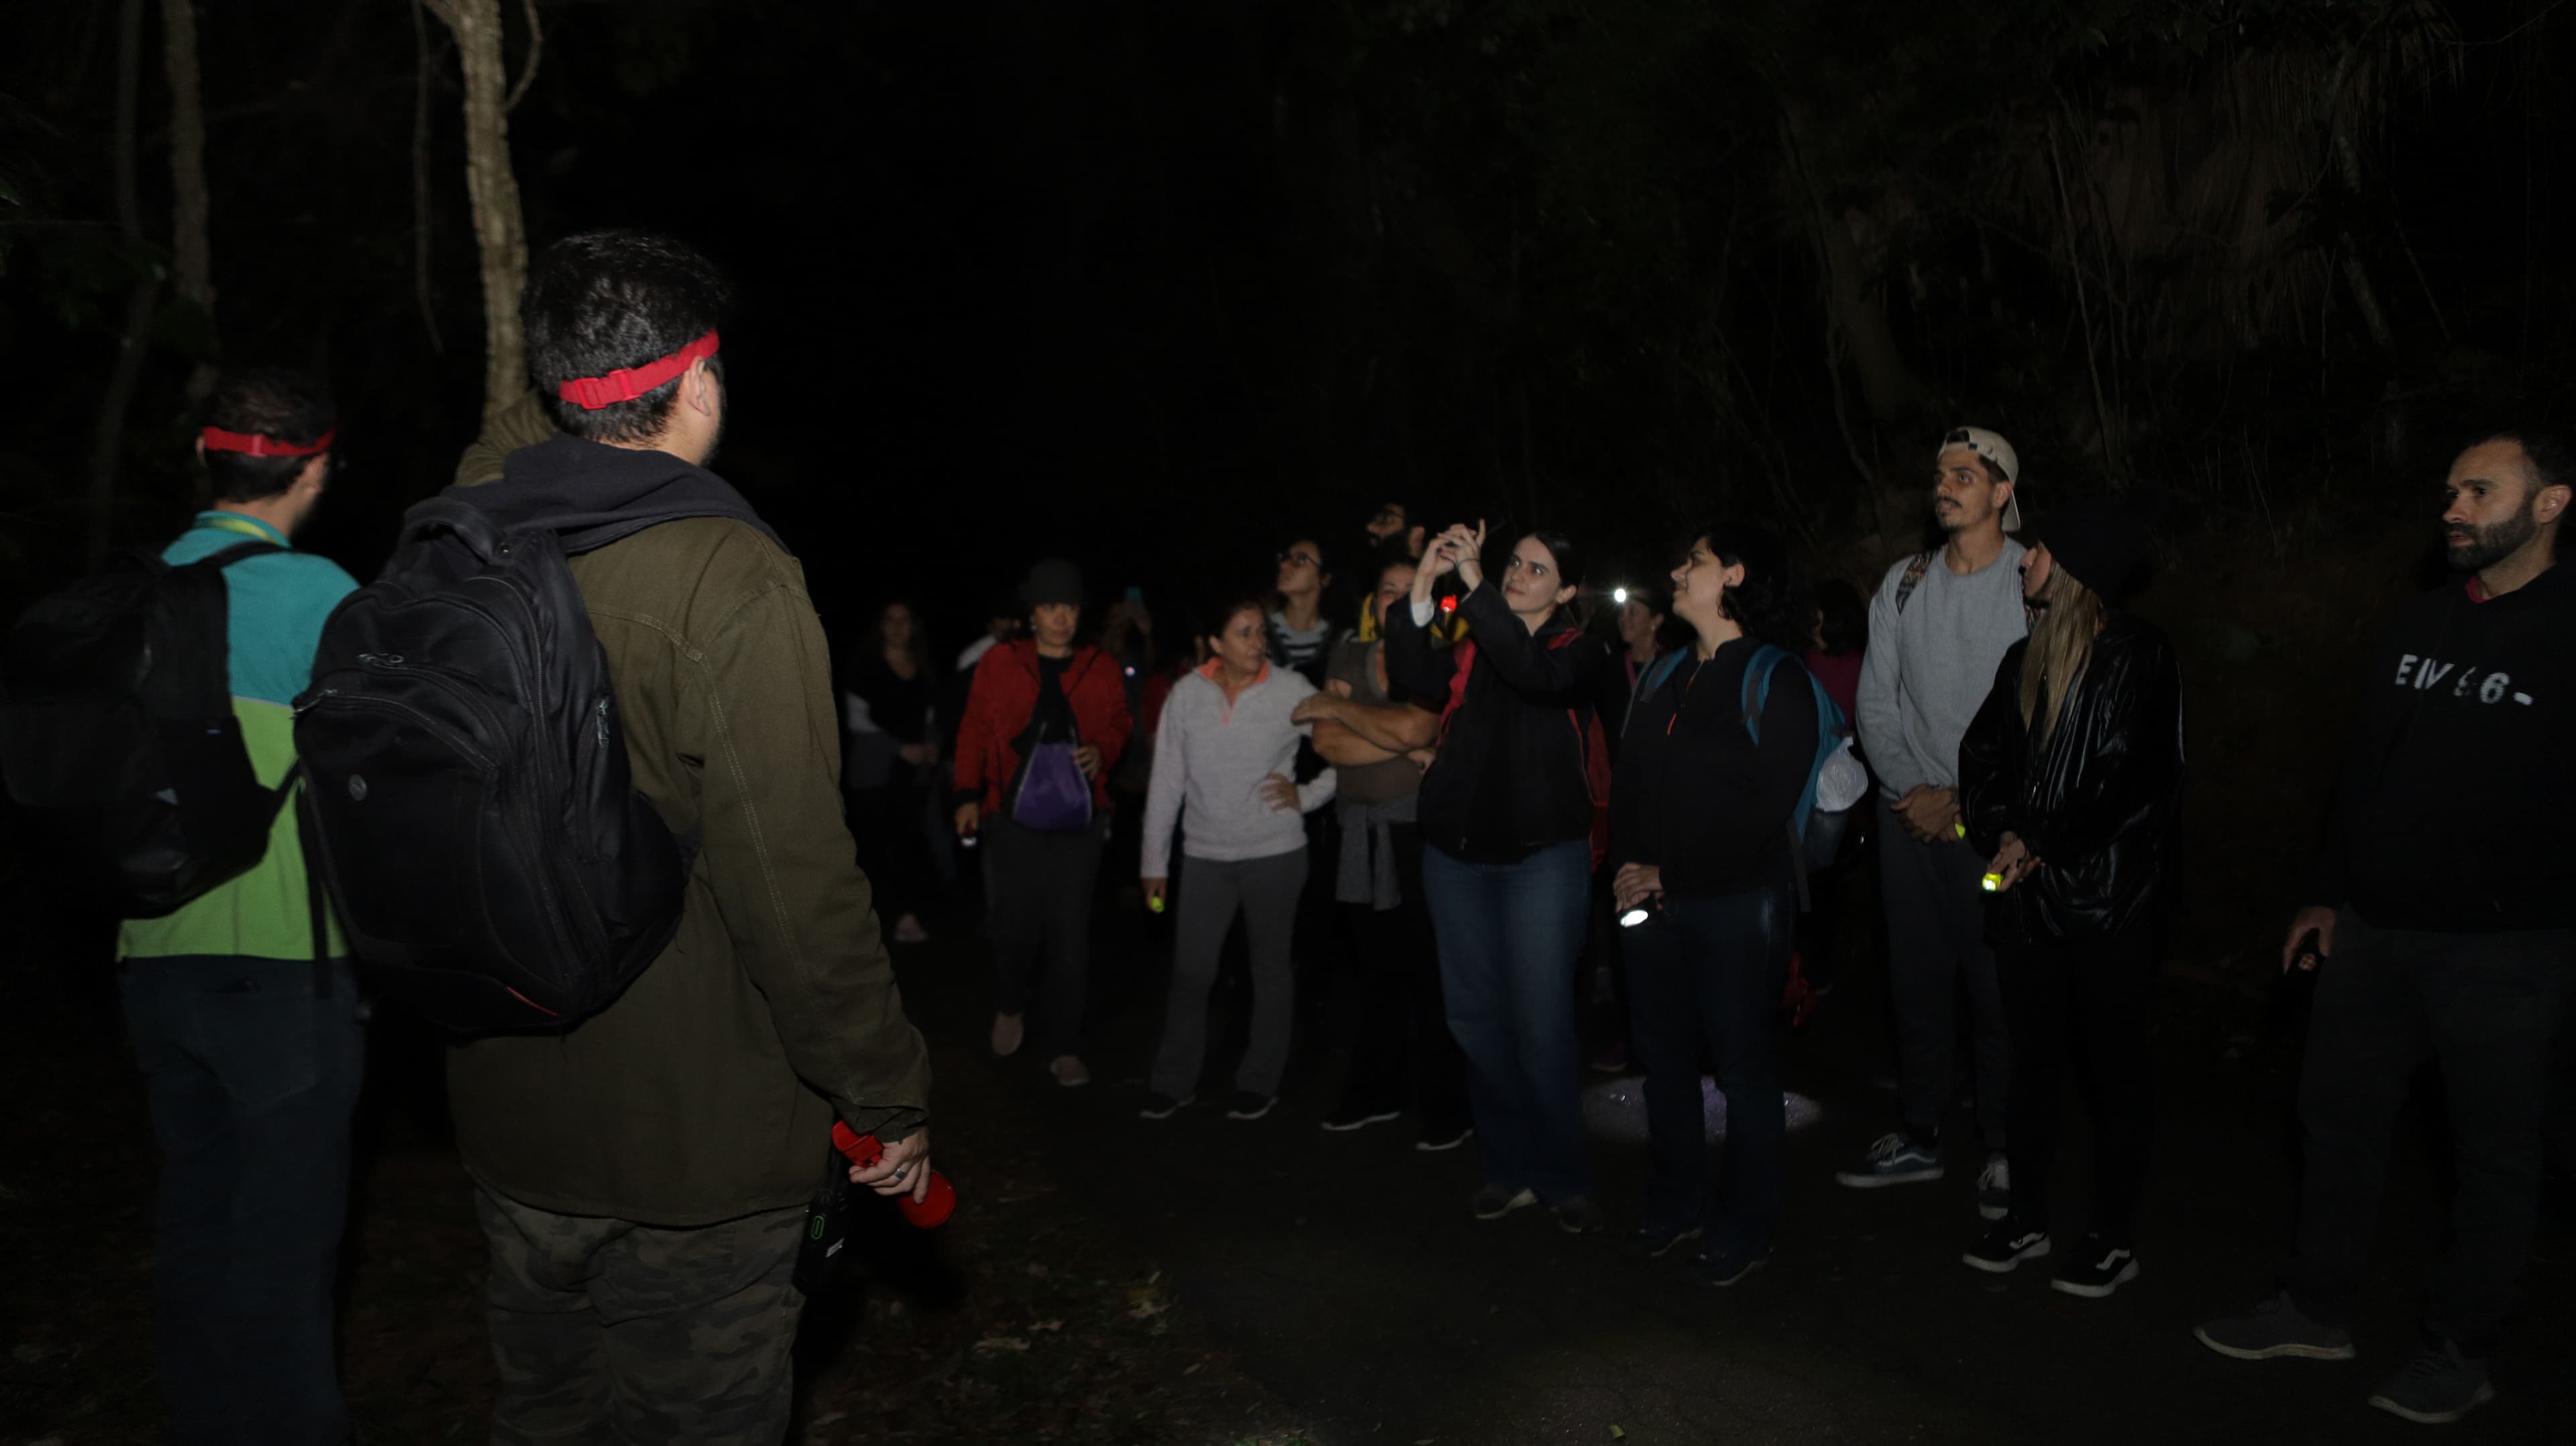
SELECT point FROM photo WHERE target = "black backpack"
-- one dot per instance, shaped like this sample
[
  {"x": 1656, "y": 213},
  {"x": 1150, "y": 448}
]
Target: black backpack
[
  {"x": 494, "y": 865},
  {"x": 117, "y": 729}
]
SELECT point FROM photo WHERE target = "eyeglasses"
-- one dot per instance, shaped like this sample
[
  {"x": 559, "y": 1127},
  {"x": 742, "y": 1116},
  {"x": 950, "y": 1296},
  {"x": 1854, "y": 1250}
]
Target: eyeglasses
[{"x": 1302, "y": 559}]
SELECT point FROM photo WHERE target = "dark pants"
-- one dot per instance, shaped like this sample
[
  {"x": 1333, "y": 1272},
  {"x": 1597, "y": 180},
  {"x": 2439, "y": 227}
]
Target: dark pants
[
  {"x": 2088, "y": 998},
  {"x": 1936, "y": 933},
  {"x": 2486, "y": 1008},
  {"x": 608, "y": 1331},
  {"x": 252, "y": 1081},
  {"x": 1264, "y": 892},
  {"x": 1405, "y": 1051},
  {"x": 1509, "y": 937},
  {"x": 894, "y": 846},
  {"x": 1037, "y": 894},
  {"x": 1704, "y": 985}
]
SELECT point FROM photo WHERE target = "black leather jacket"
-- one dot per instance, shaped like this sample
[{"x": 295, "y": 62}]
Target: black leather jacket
[{"x": 2098, "y": 804}]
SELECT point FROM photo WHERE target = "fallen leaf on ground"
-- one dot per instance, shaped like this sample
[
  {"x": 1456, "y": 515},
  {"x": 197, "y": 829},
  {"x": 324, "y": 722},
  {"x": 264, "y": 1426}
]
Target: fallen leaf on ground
[
  {"x": 1618, "y": 1435},
  {"x": 1003, "y": 1343},
  {"x": 1048, "y": 1325}
]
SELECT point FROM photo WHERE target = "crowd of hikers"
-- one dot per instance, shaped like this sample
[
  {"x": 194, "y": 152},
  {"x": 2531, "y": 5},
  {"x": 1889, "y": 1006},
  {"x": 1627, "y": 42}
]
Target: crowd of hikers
[{"x": 579, "y": 778}]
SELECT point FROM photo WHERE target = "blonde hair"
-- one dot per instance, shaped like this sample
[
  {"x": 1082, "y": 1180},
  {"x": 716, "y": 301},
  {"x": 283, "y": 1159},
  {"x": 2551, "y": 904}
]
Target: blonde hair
[{"x": 2061, "y": 645}]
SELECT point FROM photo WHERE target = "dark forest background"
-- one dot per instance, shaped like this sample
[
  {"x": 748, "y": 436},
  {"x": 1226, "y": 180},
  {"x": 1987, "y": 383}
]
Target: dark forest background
[{"x": 1159, "y": 282}]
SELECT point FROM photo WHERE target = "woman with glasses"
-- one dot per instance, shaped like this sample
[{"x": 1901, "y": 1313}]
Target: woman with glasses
[
  {"x": 1507, "y": 811},
  {"x": 1300, "y": 636},
  {"x": 1720, "y": 746}
]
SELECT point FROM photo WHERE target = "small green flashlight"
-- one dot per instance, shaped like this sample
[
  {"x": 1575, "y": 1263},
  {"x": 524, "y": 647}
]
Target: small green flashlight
[
  {"x": 1155, "y": 901},
  {"x": 1960, "y": 828},
  {"x": 1994, "y": 883}
]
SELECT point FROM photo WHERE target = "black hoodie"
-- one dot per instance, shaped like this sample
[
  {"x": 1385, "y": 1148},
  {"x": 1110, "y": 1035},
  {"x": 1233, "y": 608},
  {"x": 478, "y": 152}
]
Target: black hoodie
[
  {"x": 2452, "y": 812},
  {"x": 595, "y": 494}
]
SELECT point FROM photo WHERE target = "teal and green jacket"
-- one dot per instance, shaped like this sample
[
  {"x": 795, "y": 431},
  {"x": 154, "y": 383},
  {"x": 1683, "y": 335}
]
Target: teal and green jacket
[{"x": 278, "y": 602}]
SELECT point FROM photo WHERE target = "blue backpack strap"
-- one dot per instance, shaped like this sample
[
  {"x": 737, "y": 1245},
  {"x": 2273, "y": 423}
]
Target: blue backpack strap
[{"x": 1757, "y": 686}]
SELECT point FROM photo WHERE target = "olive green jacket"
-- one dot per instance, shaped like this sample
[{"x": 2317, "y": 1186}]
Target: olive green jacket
[{"x": 708, "y": 1090}]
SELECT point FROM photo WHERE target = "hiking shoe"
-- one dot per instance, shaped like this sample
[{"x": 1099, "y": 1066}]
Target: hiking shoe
[
  {"x": 1069, "y": 1071},
  {"x": 1994, "y": 1188},
  {"x": 2436, "y": 1388},
  {"x": 1897, "y": 1159},
  {"x": 1006, "y": 1035},
  {"x": 1162, "y": 1106},
  {"x": 2275, "y": 1329},
  {"x": 1654, "y": 1241},
  {"x": 1347, "y": 1118},
  {"x": 2005, "y": 1244},
  {"x": 908, "y": 930},
  {"x": 2096, "y": 1269},
  {"x": 1577, "y": 1216},
  {"x": 1725, "y": 1265},
  {"x": 1250, "y": 1106},
  {"x": 1439, "y": 1140},
  {"x": 1496, "y": 1201}
]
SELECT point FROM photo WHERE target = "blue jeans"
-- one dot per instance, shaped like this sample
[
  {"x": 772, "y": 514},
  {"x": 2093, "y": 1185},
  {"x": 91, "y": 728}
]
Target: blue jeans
[
  {"x": 1509, "y": 936},
  {"x": 252, "y": 1082},
  {"x": 1704, "y": 982}
]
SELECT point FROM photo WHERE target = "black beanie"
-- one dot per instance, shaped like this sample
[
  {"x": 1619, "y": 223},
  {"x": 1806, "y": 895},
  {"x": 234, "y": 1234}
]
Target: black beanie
[
  {"x": 2100, "y": 541},
  {"x": 1053, "y": 580}
]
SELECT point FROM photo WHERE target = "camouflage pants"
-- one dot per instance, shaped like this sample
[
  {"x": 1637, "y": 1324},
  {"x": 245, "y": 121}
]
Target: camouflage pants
[{"x": 606, "y": 1331}]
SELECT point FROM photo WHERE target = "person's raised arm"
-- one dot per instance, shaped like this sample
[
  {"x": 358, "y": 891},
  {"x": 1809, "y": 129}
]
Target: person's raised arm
[
  {"x": 1411, "y": 662},
  {"x": 1527, "y": 664},
  {"x": 780, "y": 862}
]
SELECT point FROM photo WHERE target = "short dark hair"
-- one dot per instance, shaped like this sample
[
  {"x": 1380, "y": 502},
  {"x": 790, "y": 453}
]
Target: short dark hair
[
  {"x": 279, "y": 403},
  {"x": 604, "y": 300},
  {"x": 1774, "y": 604},
  {"x": 2547, "y": 447},
  {"x": 1213, "y": 625}
]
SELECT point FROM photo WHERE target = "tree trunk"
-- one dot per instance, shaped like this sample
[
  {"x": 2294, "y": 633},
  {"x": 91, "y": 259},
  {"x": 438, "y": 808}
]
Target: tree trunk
[
  {"x": 499, "y": 233},
  {"x": 1887, "y": 383},
  {"x": 192, "y": 256},
  {"x": 107, "y": 454},
  {"x": 422, "y": 66}
]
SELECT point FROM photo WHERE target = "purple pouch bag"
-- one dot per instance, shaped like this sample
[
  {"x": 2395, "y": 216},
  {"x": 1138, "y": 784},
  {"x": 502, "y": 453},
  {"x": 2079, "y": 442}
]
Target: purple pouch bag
[{"x": 1053, "y": 796}]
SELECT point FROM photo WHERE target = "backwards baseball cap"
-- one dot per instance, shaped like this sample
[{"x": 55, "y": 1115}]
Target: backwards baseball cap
[{"x": 1998, "y": 455}]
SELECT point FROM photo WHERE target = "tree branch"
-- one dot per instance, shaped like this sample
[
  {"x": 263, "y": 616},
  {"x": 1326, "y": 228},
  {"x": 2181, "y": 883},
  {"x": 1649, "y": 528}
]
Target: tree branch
[{"x": 528, "y": 68}]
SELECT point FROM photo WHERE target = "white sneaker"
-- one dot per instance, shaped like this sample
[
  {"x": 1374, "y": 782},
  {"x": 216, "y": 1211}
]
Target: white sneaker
[
  {"x": 1006, "y": 1035},
  {"x": 1068, "y": 1071},
  {"x": 1994, "y": 1188}
]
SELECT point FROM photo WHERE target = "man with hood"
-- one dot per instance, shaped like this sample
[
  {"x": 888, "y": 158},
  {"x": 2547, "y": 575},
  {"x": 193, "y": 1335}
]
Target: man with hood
[{"x": 641, "y": 1177}]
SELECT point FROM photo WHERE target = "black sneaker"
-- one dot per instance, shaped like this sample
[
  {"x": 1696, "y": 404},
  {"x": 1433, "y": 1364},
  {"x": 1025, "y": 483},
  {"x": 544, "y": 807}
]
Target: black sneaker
[
  {"x": 1439, "y": 1140},
  {"x": 1656, "y": 1241},
  {"x": 1897, "y": 1159},
  {"x": 2006, "y": 1243},
  {"x": 1723, "y": 1266},
  {"x": 2275, "y": 1328},
  {"x": 1347, "y": 1118},
  {"x": 1496, "y": 1201},
  {"x": 1250, "y": 1106},
  {"x": 2436, "y": 1388},
  {"x": 1162, "y": 1107},
  {"x": 2096, "y": 1269},
  {"x": 1577, "y": 1216}
]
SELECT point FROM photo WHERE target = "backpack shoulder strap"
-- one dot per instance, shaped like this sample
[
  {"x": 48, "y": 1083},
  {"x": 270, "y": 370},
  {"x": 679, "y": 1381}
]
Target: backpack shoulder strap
[
  {"x": 1757, "y": 686},
  {"x": 1913, "y": 579},
  {"x": 225, "y": 557}
]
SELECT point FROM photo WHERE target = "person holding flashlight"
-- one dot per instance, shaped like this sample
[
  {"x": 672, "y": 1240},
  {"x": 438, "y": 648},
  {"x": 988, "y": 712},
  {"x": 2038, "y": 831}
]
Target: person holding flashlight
[
  {"x": 2070, "y": 784},
  {"x": 1720, "y": 747}
]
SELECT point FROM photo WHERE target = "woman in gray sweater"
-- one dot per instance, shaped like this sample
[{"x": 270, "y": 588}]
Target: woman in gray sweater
[{"x": 1223, "y": 765}]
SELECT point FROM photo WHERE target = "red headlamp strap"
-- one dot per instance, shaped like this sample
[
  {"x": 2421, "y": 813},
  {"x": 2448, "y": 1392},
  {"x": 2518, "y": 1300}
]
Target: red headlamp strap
[
  {"x": 217, "y": 439},
  {"x": 627, "y": 383}
]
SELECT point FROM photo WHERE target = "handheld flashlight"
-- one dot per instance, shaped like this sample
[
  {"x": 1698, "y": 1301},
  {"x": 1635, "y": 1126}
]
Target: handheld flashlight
[
  {"x": 1960, "y": 828},
  {"x": 1154, "y": 902},
  {"x": 1644, "y": 911},
  {"x": 1619, "y": 595},
  {"x": 1992, "y": 883}
]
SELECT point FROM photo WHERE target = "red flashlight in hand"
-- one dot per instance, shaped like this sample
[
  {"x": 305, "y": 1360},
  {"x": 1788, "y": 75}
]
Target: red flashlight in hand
[{"x": 863, "y": 1152}]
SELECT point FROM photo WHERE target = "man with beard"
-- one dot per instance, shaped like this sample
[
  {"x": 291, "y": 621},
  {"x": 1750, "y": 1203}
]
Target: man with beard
[{"x": 2439, "y": 920}]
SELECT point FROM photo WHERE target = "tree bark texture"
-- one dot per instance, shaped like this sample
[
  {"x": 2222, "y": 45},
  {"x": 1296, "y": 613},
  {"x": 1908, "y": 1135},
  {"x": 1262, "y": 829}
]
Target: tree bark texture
[
  {"x": 499, "y": 233},
  {"x": 1887, "y": 383},
  {"x": 192, "y": 254},
  {"x": 107, "y": 453}
]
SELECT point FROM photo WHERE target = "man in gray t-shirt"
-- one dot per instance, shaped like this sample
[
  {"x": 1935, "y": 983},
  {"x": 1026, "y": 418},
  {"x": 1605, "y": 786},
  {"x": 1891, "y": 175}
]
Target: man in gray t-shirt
[
  {"x": 1938, "y": 627},
  {"x": 1405, "y": 1054}
]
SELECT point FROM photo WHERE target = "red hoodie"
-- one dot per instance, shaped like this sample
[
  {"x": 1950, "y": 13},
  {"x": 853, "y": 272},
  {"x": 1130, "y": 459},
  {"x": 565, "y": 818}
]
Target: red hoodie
[{"x": 1003, "y": 697}]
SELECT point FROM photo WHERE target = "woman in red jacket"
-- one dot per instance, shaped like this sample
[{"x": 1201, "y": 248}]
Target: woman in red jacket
[{"x": 1045, "y": 721}]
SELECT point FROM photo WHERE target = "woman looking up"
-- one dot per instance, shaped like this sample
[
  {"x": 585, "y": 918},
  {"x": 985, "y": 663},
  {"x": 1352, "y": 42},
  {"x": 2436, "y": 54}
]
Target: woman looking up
[
  {"x": 1720, "y": 746},
  {"x": 1507, "y": 812}
]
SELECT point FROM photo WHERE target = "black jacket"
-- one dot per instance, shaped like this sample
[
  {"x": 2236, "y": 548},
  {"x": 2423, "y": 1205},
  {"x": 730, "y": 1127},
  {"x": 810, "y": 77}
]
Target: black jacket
[
  {"x": 1510, "y": 778},
  {"x": 2098, "y": 804},
  {"x": 1696, "y": 797},
  {"x": 2452, "y": 812}
]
